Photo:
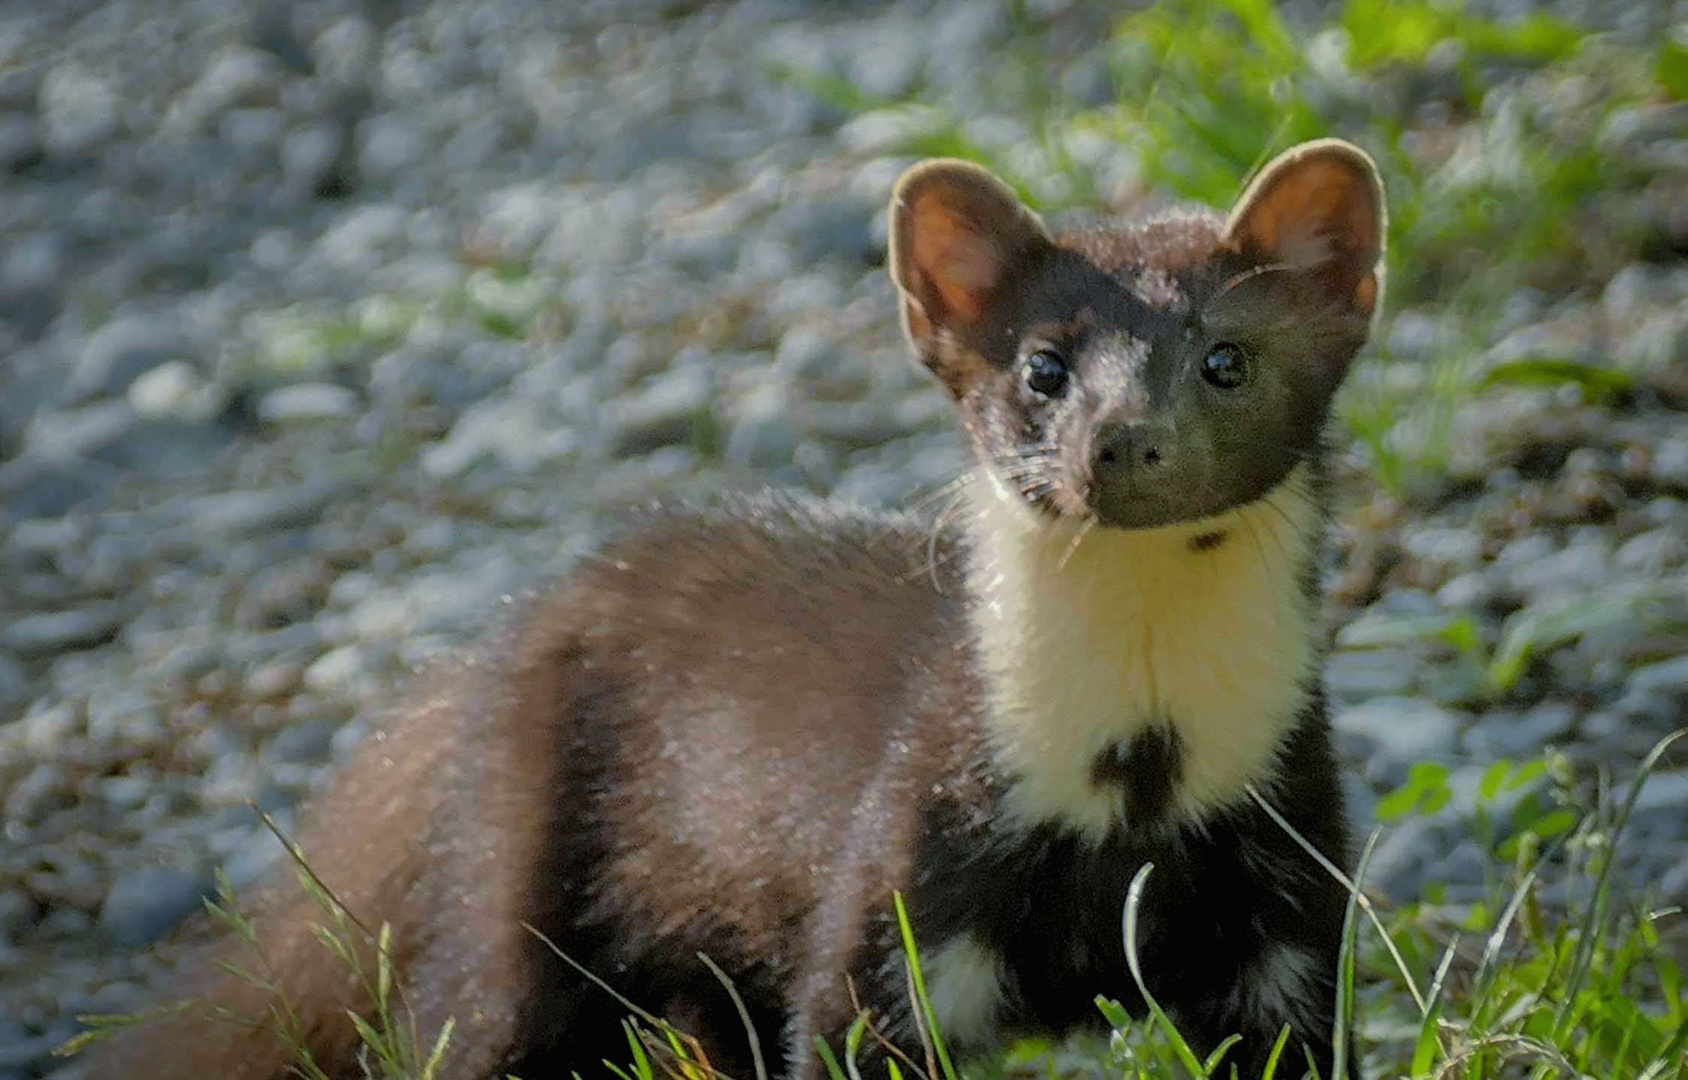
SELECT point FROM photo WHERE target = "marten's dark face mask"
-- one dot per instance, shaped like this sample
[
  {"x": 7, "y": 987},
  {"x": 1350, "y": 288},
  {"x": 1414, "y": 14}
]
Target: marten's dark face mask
[{"x": 1151, "y": 374}]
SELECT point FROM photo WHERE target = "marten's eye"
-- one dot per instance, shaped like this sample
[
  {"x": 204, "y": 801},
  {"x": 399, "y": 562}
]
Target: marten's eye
[
  {"x": 1225, "y": 366},
  {"x": 1046, "y": 373}
]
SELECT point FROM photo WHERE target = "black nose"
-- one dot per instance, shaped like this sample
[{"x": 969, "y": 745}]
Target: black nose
[{"x": 1127, "y": 446}]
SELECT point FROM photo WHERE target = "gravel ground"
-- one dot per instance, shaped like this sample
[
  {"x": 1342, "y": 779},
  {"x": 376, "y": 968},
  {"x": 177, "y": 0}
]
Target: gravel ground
[{"x": 322, "y": 333}]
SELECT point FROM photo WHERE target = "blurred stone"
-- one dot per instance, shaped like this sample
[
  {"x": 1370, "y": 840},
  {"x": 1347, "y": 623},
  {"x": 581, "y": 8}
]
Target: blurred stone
[
  {"x": 79, "y": 109},
  {"x": 1397, "y": 733},
  {"x": 14, "y": 684},
  {"x": 49, "y": 632},
  {"x": 73, "y": 433},
  {"x": 310, "y": 741},
  {"x": 306, "y": 402},
  {"x": 237, "y": 75},
  {"x": 20, "y": 141},
  {"x": 665, "y": 411},
  {"x": 274, "y": 508},
  {"x": 124, "y": 349},
  {"x": 1666, "y": 677},
  {"x": 1361, "y": 675},
  {"x": 146, "y": 903}
]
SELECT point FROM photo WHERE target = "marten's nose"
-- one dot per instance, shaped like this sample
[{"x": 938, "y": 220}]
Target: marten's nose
[{"x": 1127, "y": 446}]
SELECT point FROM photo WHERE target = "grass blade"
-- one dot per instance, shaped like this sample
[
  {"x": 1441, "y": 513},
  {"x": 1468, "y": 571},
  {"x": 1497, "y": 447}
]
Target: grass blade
[
  {"x": 919, "y": 979},
  {"x": 1133, "y": 900},
  {"x": 1342, "y": 1034}
]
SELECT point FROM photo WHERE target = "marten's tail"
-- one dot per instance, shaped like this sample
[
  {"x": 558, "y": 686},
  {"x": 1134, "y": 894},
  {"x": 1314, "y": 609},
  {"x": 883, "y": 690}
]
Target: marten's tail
[{"x": 390, "y": 841}]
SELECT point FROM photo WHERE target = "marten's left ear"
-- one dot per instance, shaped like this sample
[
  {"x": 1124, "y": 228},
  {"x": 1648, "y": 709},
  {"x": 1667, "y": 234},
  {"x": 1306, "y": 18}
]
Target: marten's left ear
[{"x": 1318, "y": 207}]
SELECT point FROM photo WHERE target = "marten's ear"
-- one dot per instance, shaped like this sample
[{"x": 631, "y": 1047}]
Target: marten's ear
[
  {"x": 956, "y": 232},
  {"x": 1318, "y": 207}
]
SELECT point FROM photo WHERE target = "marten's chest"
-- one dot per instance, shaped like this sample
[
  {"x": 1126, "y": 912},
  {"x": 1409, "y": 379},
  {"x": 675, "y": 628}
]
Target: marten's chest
[{"x": 1144, "y": 676}]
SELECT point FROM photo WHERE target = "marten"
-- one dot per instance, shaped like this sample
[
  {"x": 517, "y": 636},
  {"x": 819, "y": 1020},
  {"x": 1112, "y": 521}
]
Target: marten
[{"x": 739, "y": 729}]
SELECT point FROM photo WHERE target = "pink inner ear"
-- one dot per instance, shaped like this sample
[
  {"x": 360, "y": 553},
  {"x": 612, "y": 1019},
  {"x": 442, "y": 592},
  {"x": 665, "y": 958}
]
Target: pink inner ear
[
  {"x": 1317, "y": 211},
  {"x": 960, "y": 262}
]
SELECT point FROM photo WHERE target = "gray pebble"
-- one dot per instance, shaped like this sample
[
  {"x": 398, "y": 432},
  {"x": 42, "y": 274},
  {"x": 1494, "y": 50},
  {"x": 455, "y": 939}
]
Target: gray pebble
[
  {"x": 124, "y": 350},
  {"x": 257, "y": 131},
  {"x": 33, "y": 262},
  {"x": 1673, "y": 883},
  {"x": 1544, "y": 724},
  {"x": 173, "y": 389},
  {"x": 666, "y": 410},
  {"x": 125, "y": 793},
  {"x": 237, "y": 75},
  {"x": 275, "y": 679},
  {"x": 1463, "y": 865},
  {"x": 1670, "y": 463},
  {"x": 146, "y": 903},
  {"x": 260, "y": 511},
  {"x": 1360, "y": 675},
  {"x": 343, "y": 51},
  {"x": 1473, "y": 591},
  {"x": 1398, "y": 732},
  {"x": 1664, "y": 791},
  {"x": 511, "y": 431},
  {"x": 189, "y": 660},
  {"x": 1456, "y": 547},
  {"x": 1654, "y": 551},
  {"x": 47, "y": 536},
  {"x": 1625, "y": 129},
  {"x": 350, "y": 736},
  {"x": 309, "y": 154},
  {"x": 75, "y": 433},
  {"x": 360, "y": 239},
  {"x": 47, "y": 726},
  {"x": 253, "y": 860},
  {"x": 307, "y": 742},
  {"x": 79, "y": 109},
  {"x": 124, "y": 715},
  {"x": 49, "y": 632},
  {"x": 30, "y": 1055},
  {"x": 14, "y": 683},
  {"x": 389, "y": 146},
  {"x": 436, "y": 602},
  {"x": 763, "y": 433},
  {"x": 1668, "y": 677},
  {"x": 20, "y": 140},
  {"x": 890, "y": 60},
  {"x": 1403, "y": 855},
  {"x": 43, "y": 789},
  {"x": 804, "y": 353},
  {"x": 1525, "y": 551},
  {"x": 306, "y": 402},
  {"x": 1578, "y": 566},
  {"x": 17, "y": 914},
  {"x": 338, "y": 670}
]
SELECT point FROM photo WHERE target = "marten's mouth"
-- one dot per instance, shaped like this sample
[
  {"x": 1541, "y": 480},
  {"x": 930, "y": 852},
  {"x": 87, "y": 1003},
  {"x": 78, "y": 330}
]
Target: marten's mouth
[{"x": 1088, "y": 507}]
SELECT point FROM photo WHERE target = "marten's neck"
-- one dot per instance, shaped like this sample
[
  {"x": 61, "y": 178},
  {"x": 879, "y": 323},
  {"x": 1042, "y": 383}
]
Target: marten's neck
[{"x": 1143, "y": 677}]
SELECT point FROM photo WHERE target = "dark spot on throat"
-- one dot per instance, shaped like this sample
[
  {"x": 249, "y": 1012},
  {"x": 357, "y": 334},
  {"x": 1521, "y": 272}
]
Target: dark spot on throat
[
  {"x": 1146, "y": 769},
  {"x": 1207, "y": 541}
]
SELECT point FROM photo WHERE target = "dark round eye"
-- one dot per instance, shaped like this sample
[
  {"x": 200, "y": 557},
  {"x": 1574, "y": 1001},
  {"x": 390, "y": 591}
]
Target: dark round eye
[
  {"x": 1046, "y": 373},
  {"x": 1225, "y": 366}
]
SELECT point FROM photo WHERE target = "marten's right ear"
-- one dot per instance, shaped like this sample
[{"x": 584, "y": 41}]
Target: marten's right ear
[{"x": 956, "y": 232}]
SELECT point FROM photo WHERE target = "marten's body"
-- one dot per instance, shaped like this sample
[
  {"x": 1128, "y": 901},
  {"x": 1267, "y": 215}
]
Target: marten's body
[{"x": 738, "y": 731}]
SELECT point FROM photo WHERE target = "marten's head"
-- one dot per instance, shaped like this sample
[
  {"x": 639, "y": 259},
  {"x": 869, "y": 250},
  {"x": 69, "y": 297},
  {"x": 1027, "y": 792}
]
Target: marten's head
[{"x": 1144, "y": 373}]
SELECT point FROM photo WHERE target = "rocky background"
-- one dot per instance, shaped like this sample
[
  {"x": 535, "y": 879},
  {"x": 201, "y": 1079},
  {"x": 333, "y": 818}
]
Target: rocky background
[{"x": 325, "y": 327}]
